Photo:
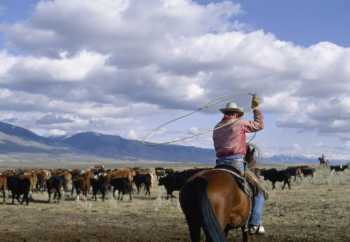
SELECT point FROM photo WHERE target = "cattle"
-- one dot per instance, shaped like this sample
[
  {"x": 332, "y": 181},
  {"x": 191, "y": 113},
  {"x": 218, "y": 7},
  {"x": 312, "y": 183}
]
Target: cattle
[
  {"x": 75, "y": 173},
  {"x": 30, "y": 174},
  {"x": 19, "y": 185},
  {"x": 122, "y": 185},
  {"x": 175, "y": 181},
  {"x": 338, "y": 168},
  {"x": 122, "y": 173},
  {"x": 3, "y": 186},
  {"x": 82, "y": 183},
  {"x": 169, "y": 171},
  {"x": 54, "y": 185},
  {"x": 308, "y": 171},
  {"x": 274, "y": 176},
  {"x": 160, "y": 172},
  {"x": 144, "y": 180},
  {"x": 100, "y": 184},
  {"x": 295, "y": 171},
  {"x": 42, "y": 176}
]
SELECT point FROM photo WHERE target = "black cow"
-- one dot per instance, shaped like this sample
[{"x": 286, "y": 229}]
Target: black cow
[
  {"x": 19, "y": 185},
  {"x": 145, "y": 180},
  {"x": 308, "y": 171},
  {"x": 54, "y": 185},
  {"x": 169, "y": 171},
  {"x": 123, "y": 186},
  {"x": 175, "y": 181},
  {"x": 100, "y": 184},
  {"x": 295, "y": 171},
  {"x": 160, "y": 172},
  {"x": 339, "y": 168},
  {"x": 274, "y": 176}
]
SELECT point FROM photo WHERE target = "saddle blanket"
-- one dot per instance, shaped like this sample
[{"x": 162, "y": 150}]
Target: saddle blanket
[{"x": 243, "y": 184}]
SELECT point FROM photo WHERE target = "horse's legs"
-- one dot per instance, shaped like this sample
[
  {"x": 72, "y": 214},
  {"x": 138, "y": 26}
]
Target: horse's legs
[
  {"x": 4, "y": 195},
  {"x": 208, "y": 240},
  {"x": 194, "y": 223},
  {"x": 244, "y": 233},
  {"x": 226, "y": 230},
  {"x": 273, "y": 185}
]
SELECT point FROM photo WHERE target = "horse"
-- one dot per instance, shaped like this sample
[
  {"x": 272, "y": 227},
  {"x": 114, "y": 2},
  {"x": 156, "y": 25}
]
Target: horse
[
  {"x": 323, "y": 161},
  {"x": 212, "y": 200}
]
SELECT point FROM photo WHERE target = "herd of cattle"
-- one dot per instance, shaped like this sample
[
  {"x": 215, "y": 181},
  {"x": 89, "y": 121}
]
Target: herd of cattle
[{"x": 22, "y": 183}]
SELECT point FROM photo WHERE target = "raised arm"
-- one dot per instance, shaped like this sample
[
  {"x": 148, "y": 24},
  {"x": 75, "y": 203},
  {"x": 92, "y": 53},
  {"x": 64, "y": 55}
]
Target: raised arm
[{"x": 256, "y": 125}]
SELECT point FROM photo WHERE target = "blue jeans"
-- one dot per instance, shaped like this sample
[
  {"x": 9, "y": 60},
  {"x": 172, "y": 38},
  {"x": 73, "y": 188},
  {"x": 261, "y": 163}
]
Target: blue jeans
[
  {"x": 236, "y": 161},
  {"x": 258, "y": 206},
  {"x": 259, "y": 200}
]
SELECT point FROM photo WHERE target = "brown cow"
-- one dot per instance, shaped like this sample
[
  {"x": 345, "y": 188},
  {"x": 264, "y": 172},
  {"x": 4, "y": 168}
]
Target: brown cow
[
  {"x": 123, "y": 173},
  {"x": 42, "y": 176},
  {"x": 83, "y": 183},
  {"x": 30, "y": 174},
  {"x": 123, "y": 178}
]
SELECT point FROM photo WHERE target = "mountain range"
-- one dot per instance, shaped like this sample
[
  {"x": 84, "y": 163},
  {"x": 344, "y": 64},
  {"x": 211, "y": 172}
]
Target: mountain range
[{"x": 15, "y": 140}]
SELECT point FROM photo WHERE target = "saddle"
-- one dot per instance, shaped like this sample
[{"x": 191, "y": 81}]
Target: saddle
[{"x": 246, "y": 185}]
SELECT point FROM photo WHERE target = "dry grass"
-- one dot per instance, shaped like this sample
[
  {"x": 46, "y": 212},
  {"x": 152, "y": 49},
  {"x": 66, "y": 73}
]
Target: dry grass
[{"x": 315, "y": 209}]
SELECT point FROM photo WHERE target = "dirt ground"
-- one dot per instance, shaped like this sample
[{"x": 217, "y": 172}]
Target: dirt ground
[{"x": 313, "y": 210}]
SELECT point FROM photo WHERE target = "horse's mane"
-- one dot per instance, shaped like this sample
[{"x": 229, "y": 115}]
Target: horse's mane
[{"x": 257, "y": 153}]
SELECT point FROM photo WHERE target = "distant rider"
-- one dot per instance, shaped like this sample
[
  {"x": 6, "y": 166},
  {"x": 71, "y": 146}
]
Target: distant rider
[{"x": 229, "y": 138}]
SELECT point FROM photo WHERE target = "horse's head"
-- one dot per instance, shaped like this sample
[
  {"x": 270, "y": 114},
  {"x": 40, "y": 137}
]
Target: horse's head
[{"x": 250, "y": 155}]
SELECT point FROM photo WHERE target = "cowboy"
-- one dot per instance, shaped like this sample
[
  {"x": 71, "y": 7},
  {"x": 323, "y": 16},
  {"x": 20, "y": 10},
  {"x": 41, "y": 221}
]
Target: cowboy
[{"x": 229, "y": 138}]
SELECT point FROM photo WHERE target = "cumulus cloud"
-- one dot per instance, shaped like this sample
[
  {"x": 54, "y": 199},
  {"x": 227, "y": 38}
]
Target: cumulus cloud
[
  {"x": 132, "y": 134},
  {"x": 106, "y": 62}
]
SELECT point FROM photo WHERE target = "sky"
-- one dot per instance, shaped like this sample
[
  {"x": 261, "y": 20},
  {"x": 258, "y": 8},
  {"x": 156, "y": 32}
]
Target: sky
[{"x": 126, "y": 67}]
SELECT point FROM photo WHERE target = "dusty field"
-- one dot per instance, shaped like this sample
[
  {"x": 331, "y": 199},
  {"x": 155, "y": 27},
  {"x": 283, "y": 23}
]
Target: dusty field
[{"x": 315, "y": 209}]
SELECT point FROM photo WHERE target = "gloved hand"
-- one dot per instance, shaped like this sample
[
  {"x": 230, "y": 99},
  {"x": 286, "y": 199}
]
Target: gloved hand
[{"x": 255, "y": 101}]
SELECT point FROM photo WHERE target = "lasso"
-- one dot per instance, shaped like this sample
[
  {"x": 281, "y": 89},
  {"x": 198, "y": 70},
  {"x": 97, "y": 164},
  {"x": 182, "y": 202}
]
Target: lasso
[{"x": 206, "y": 106}]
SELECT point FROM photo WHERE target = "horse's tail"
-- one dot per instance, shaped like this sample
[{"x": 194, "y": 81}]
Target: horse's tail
[{"x": 209, "y": 223}]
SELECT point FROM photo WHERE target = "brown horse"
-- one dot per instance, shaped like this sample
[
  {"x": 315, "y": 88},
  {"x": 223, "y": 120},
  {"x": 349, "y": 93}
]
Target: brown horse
[{"x": 213, "y": 201}]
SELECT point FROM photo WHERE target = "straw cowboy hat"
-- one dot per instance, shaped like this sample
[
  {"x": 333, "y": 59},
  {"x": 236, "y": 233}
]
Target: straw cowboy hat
[{"x": 232, "y": 107}]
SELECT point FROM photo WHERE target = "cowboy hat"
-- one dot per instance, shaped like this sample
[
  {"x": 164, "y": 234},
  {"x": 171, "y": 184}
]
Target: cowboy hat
[{"x": 232, "y": 107}]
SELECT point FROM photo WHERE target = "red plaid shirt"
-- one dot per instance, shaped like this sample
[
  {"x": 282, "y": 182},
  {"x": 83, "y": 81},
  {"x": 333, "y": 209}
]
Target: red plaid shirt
[{"x": 230, "y": 139}]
